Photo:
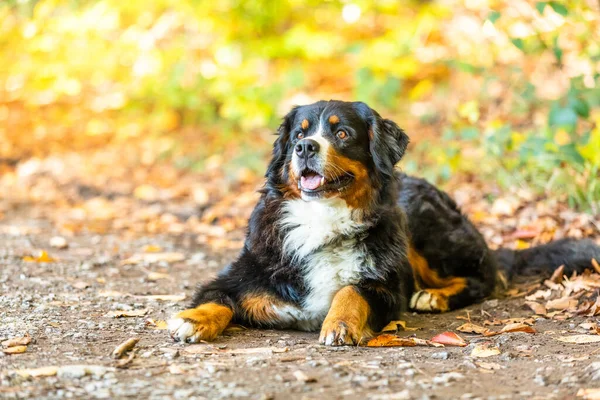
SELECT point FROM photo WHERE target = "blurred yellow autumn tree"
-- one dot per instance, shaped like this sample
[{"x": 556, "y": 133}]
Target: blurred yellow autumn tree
[{"x": 504, "y": 88}]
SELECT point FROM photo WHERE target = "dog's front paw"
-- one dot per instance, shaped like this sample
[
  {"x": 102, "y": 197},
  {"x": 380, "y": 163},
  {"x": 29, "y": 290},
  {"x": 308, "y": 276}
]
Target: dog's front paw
[
  {"x": 204, "y": 322},
  {"x": 339, "y": 333}
]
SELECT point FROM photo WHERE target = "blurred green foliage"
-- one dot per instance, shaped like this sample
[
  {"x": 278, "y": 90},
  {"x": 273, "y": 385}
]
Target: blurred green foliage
[{"x": 505, "y": 89}]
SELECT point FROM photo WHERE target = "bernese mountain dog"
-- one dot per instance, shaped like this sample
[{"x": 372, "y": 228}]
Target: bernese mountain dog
[{"x": 342, "y": 242}]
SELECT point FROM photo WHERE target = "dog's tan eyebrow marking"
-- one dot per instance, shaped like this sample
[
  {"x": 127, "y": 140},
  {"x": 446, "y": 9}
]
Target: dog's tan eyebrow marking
[
  {"x": 304, "y": 124},
  {"x": 334, "y": 119}
]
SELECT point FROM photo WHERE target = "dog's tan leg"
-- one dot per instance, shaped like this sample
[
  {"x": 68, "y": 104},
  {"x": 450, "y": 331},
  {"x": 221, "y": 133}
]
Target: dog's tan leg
[{"x": 346, "y": 322}]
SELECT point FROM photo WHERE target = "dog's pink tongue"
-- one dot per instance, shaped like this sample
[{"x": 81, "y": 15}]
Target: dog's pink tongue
[{"x": 311, "y": 182}]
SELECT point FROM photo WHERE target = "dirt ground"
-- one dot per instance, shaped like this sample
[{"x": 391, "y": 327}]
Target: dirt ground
[{"x": 65, "y": 307}]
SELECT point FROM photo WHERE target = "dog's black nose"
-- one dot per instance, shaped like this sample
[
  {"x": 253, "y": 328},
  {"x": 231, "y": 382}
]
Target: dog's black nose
[{"x": 307, "y": 148}]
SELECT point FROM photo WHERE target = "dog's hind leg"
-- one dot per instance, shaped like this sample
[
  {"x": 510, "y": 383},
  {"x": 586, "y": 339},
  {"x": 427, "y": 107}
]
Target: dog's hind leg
[{"x": 439, "y": 294}]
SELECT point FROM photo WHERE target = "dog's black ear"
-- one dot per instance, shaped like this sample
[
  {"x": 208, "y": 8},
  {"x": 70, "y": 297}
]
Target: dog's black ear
[
  {"x": 281, "y": 146},
  {"x": 387, "y": 141}
]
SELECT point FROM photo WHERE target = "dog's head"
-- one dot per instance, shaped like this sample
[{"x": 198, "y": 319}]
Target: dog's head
[{"x": 335, "y": 149}]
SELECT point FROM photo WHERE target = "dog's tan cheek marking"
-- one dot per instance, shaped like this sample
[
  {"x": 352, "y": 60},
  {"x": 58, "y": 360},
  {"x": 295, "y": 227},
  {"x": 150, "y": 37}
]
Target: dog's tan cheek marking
[
  {"x": 334, "y": 119},
  {"x": 359, "y": 195},
  {"x": 427, "y": 279},
  {"x": 260, "y": 308},
  {"x": 212, "y": 318},
  {"x": 346, "y": 321},
  {"x": 304, "y": 124}
]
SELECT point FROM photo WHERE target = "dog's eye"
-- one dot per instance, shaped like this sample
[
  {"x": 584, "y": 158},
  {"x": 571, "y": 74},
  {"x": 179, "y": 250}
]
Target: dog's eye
[
  {"x": 300, "y": 135},
  {"x": 342, "y": 135}
]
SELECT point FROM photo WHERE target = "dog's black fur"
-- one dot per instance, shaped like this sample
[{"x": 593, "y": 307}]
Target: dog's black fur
[{"x": 389, "y": 241}]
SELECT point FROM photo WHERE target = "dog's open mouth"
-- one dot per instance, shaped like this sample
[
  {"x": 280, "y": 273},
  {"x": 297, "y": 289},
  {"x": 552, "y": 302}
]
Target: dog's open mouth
[{"x": 313, "y": 182}]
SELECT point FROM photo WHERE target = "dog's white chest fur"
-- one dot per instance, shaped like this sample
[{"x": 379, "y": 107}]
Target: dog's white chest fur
[{"x": 322, "y": 237}]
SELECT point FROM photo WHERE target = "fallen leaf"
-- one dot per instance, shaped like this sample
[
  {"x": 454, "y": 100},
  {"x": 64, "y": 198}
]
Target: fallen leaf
[
  {"x": 596, "y": 265},
  {"x": 540, "y": 294},
  {"x": 557, "y": 275},
  {"x": 449, "y": 339},
  {"x": 152, "y": 248},
  {"x": 589, "y": 394},
  {"x": 525, "y": 233},
  {"x": 150, "y": 258},
  {"x": 562, "y": 303},
  {"x": 43, "y": 257},
  {"x": 160, "y": 324},
  {"x": 472, "y": 328},
  {"x": 20, "y": 341},
  {"x": 124, "y": 347},
  {"x": 517, "y": 327},
  {"x": 18, "y": 350},
  {"x": 127, "y": 313},
  {"x": 579, "y": 339},
  {"x": 387, "y": 340},
  {"x": 537, "y": 308},
  {"x": 489, "y": 366},
  {"x": 485, "y": 350}
]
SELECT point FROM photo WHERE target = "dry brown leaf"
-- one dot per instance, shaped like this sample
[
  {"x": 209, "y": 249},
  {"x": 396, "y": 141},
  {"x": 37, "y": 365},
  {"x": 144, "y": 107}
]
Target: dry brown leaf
[
  {"x": 596, "y": 265},
  {"x": 563, "y": 303},
  {"x": 20, "y": 341},
  {"x": 18, "y": 350},
  {"x": 489, "y": 365},
  {"x": 43, "y": 257},
  {"x": 388, "y": 340},
  {"x": 579, "y": 339},
  {"x": 159, "y": 324},
  {"x": 124, "y": 347},
  {"x": 485, "y": 350},
  {"x": 449, "y": 339},
  {"x": 517, "y": 327},
  {"x": 557, "y": 275},
  {"x": 152, "y": 248},
  {"x": 540, "y": 294},
  {"x": 472, "y": 328},
  {"x": 127, "y": 313},
  {"x": 537, "y": 308},
  {"x": 150, "y": 258}
]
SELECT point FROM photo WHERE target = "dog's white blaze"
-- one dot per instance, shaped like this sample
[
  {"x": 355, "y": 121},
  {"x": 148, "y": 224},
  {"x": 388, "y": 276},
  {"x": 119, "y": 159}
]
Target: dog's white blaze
[{"x": 313, "y": 238}]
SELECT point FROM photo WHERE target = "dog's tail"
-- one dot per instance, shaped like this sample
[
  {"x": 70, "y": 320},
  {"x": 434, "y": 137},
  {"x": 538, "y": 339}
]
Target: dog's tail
[{"x": 575, "y": 255}]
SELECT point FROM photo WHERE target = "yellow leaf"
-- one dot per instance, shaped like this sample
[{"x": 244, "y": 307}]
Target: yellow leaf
[
  {"x": 521, "y": 244},
  {"x": 562, "y": 137},
  {"x": 43, "y": 257}
]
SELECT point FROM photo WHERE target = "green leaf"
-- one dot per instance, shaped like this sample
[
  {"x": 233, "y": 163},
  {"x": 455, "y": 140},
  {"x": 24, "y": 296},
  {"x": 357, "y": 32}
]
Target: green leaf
[
  {"x": 519, "y": 43},
  {"x": 469, "y": 133},
  {"x": 540, "y": 6},
  {"x": 562, "y": 116},
  {"x": 580, "y": 106},
  {"x": 558, "y": 53},
  {"x": 559, "y": 8},
  {"x": 493, "y": 16}
]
